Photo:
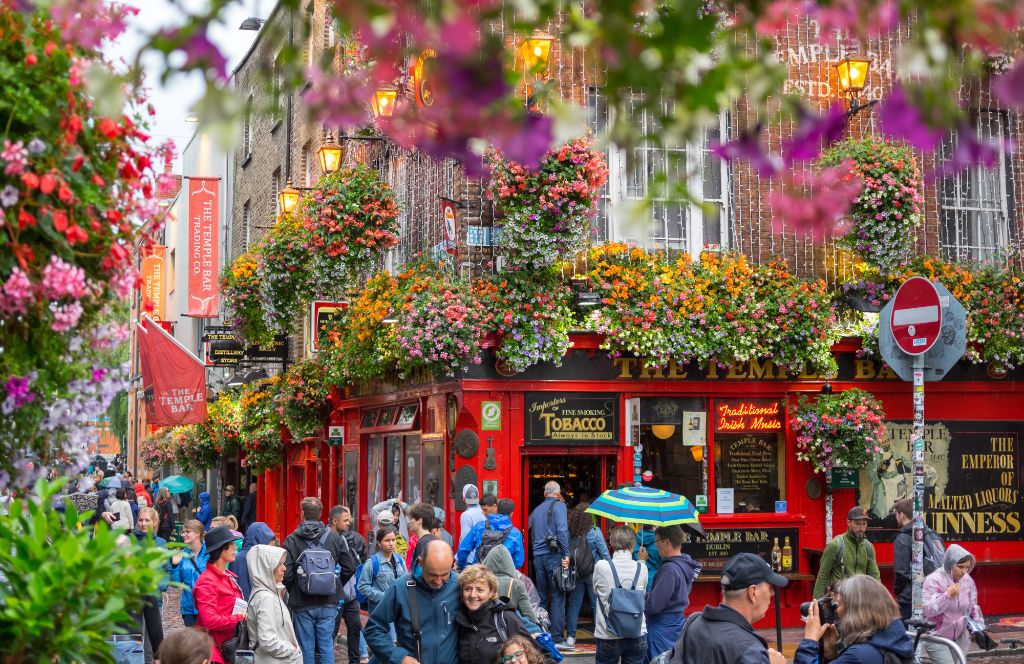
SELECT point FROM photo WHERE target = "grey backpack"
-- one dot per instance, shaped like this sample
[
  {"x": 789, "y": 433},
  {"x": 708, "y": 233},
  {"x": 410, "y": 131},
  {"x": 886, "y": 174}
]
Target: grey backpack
[{"x": 625, "y": 613}]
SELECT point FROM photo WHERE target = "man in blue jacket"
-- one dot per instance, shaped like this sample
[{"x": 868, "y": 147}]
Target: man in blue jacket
[
  {"x": 434, "y": 597},
  {"x": 501, "y": 525},
  {"x": 670, "y": 592},
  {"x": 549, "y": 544}
]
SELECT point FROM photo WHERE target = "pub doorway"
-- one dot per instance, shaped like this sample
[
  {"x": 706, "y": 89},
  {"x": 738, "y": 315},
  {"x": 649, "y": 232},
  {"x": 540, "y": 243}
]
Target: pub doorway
[{"x": 582, "y": 478}]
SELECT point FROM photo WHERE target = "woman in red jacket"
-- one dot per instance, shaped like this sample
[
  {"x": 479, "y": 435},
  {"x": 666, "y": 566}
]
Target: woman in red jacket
[{"x": 218, "y": 597}]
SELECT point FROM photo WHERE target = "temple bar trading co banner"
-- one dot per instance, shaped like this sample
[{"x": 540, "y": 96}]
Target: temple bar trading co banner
[{"x": 203, "y": 211}]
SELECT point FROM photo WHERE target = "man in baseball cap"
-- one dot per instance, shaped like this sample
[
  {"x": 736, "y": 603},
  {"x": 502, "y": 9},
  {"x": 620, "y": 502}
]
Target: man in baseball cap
[
  {"x": 848, "y": 554},
  {"x": 473, "y": 514},
  {"x": 724, "y": 634}
]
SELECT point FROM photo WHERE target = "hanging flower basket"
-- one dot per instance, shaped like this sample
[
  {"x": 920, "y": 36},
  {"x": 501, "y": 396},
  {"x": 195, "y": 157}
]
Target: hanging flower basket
[
  {"x": 841, "y": 429},
  {"x": 302, "y": 401}
]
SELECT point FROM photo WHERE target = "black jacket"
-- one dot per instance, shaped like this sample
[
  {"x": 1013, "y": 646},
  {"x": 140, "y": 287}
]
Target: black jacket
[
  {"x": 165, "y": 524},
  {"x": 356, "y": 544},
  {"x": 719, "y": 635},
  {"x": 309, "y": 532},
  {"x": 248, "y": 512},
  {"x": 484, "y": 631},
  {"x": 903, "y": 560}
]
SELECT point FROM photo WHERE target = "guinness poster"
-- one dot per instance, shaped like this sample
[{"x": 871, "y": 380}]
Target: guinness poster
[
  {"x": 972, "y": 480},
  {"x": 568, "y": 418}
]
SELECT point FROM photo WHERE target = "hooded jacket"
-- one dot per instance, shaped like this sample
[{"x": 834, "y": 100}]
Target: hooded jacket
[
  {"x": 140, "y": 492},
  {"x": 188, "y": 572},
  {"x": 902, "y": 556},
  {"x": 215, "y": 593},
  {"x": 719, "y": 635},
  {"x": 258, "y": 533},
  {"x": 670, "y": 592},
  {"x": 499, "y": 561},
  {"x": 484, "y": 631},
  {"x": 437, "y": 610},
  {"x": 950, "y": 613},
  {"x": 498, "y": 522},
  {"x": 645, "y": 539},
  {"x": 892, "y": 639},
  {"x": 308, "y": 533},
  {"x": 205, "y": 513},
  {"x": 268, "y": 618}
]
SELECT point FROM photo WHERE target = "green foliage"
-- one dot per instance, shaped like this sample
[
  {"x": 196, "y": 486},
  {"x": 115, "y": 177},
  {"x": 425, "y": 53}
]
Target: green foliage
[{"x": 65, "y": 589}]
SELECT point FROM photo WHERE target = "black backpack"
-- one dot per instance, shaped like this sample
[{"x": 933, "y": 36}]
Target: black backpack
[
  {"x": 581, "y": 556},
  {"x": 934, "y": 551},
  {"x": 490, "y": 539}
]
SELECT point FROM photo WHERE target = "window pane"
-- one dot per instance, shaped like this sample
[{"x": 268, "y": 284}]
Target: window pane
[{"x": 749, "y": 452}]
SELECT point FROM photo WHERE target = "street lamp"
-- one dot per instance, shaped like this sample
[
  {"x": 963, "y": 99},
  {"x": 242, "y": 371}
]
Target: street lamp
[
  {"x": 853, "y": 76},
  {"x": 536, "y": 51},
  {"x": 287, "y": 198},
  {"x": 384, "y": 101},
  {"x": 253, "y": 23},
  {"x": 331, "y": 154}
]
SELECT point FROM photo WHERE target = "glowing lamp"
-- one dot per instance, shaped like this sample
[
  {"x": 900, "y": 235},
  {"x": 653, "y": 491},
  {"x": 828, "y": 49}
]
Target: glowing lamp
[
  {"x": 384, "y": 102},
  {"x": 536, "y": 51},
  {"x": 331, "y": 154},
  {"x": 663, "y": 431},
  {"x": 287, "y": 198},
  {"x": 698, "y": 453},
  {"x": 853, "y": 74}
]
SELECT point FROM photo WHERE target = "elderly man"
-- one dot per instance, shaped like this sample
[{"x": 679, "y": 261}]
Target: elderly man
[
  {"x": 549, "y": 543},
  {"x": 422, "y": 607},
  {"x": 724, "y": 634}
]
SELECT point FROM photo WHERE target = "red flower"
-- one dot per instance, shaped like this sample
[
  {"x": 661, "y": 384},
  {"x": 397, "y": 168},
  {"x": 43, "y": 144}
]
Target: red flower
[
  {"x": 109, "y": 128},
  {"x": 25, "y": 219},
  {"x": 76, "y": 234},
  {"x": 30, "y": 180},
  {"x": 31, "y": 60},
  {"x": 47, "y": 183}
]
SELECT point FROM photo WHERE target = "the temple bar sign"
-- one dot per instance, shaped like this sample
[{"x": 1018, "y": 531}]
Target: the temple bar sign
[{"x": 567, "y": 418}]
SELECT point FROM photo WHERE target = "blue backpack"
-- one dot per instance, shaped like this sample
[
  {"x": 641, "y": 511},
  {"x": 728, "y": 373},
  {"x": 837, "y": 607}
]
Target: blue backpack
[
  {"x": 360, "y": 597},
  {"x": 625, "y": 613},
  {"x": 316, "y": 569}
]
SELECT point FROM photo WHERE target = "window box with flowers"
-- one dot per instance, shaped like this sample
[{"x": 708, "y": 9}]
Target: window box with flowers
[{"x": 844, "y": 429}]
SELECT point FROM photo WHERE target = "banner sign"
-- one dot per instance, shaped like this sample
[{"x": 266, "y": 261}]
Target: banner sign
[
  {"x": 203, "y": 212},
  {"x": 223, "y": 349},
  {"x": 174, "y": 377},
  {"x": 568, "y": 418},
  {"x": 973, "y": 482},
  {"x": 448, "y": 215},
  {"x": 154, "y": 279}
]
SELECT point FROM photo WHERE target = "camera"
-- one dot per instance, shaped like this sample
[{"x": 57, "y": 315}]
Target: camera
[
  {"x": 552, "y": 542},
  {"x": 826, "y": 610},
  {"x": 245, "y": 657}
]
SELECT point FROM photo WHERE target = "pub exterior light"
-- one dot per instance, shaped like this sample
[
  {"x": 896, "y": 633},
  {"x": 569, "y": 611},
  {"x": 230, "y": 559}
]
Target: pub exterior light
[
  {"x": 536, "y": 51},
  {"x": 287, "y": 198},
  {"x": 663, "y": 431},
  {"x": 853, "y": 75},
  {"x": 331, "y": 154},
  {"x": 384, "y": 102}
]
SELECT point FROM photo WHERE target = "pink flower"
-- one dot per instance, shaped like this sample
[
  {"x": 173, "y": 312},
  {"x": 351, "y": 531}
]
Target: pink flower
[
  {"x": 16, "y": 157},
  {"x": 65, "y": 316},
  {"x": 61, "y": 279},
  {"x": 16, "y": 294}
]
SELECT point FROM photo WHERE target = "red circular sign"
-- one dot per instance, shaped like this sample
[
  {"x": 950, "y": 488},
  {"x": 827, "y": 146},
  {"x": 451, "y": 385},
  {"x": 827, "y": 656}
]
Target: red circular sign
[{"x": 916, "y": 317}]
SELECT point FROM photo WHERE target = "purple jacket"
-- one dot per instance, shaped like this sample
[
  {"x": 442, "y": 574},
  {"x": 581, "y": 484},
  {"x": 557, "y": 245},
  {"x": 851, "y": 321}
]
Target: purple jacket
[{"x": 950, "y": 613}]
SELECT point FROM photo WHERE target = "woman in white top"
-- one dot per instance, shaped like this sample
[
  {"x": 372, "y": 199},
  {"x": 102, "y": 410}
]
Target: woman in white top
[
  {"x": 611, "y": 647},
  {"x": 122, "y": 512}
]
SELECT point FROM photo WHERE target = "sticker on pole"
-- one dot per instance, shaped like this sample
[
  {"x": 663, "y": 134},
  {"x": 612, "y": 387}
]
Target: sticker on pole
[{"x": 916, "y": 317}]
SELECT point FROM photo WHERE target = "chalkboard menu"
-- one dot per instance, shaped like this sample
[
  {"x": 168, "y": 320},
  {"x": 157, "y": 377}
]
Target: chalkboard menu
[
  {"x": 720, "y": 544},
  {"x": 749, "y": 464}
]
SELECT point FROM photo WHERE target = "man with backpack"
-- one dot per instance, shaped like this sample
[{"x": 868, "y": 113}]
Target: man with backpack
[
  {"x": 903, "y": 575},
  {"x": 318, "y": 563},
  {"x": 620, "y": 584},
  {"x": 549, "y": 546},
  {"x": 670, "y": 592},
  {"x": 495, "y": 530},
  {"x": 341, "y": 523},
  {"x": 847, "y": 554}
]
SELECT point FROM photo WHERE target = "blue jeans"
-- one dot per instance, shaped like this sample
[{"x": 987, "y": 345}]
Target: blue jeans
[
  {"x": 583, "y": 586},
  {"x": 189, "y": 619},
  {"x": 628, "y": 651},
  {"x": 545, "y": 566},
  {"x": 314, "y": 628}
]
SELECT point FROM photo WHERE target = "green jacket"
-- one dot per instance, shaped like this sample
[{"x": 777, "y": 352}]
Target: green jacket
[{"x": 844, "y": 557}]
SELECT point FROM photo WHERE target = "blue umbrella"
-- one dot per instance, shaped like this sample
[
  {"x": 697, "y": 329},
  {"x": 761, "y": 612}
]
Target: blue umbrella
[
  {"x": 113, "y": 482},
  {"x": 641, "y": 504},
  {"x": 176, "y": 484}
]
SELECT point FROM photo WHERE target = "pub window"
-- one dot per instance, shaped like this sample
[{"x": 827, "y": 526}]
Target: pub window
[
  {"x": 413, "y": 485},
  {"x": 749, "y": 450},
  {"x": 977, "y": 202},
  {"x": 669, "y": 451},
  {"x": 393, "y": 457},
  {"x": 374, "y": 471}
]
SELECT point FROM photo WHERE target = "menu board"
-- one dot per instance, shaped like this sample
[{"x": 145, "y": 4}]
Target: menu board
[
  {"x": 720, "y": 544},
  {"x": 749, "y": 464}
]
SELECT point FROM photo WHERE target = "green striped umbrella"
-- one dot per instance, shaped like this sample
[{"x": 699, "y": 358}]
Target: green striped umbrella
[{"x": 641, "y": 504}]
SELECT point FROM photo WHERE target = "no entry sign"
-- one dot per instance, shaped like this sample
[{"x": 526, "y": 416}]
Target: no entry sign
[{"x": 916, "y": 316}]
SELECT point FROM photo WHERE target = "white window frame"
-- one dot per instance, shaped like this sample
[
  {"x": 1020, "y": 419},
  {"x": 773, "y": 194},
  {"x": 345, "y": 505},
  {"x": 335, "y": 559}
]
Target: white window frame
[
  {"x": 971, "y": 213},
  {"x": 247, "y": 223}
]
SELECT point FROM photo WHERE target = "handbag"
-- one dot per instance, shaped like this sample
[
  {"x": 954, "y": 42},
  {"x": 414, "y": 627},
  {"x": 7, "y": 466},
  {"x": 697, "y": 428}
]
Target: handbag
[
  {"x": 238, "y": 641},
  {"x": 565, "y": 579}
]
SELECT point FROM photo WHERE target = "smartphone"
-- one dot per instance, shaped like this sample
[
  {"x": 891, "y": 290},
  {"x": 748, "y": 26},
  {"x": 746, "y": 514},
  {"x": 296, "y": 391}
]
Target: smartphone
[
  {"x": 245, "y": 657},
  {"x": 116, "y": 516}
]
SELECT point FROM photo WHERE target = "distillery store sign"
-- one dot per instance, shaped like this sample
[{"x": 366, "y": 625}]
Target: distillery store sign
[{"x": 560, "y": 418}]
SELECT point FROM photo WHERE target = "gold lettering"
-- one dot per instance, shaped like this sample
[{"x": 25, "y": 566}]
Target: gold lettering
[
  {"x": 675, "y": 371},
  {"x": 647, "y": 371},
  {"x": 886, "y": 373},
  {"x": 712, "y": 370},
  {"x": 759, "y": 371},
  {"x": 864, "y": 370},
  {"x": 735, "y": 374},
  {"x": 625, "y": 365}
]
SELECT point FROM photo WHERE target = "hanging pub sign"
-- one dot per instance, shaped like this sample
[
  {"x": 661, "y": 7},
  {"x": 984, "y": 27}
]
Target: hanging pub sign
[
  {"x": 748, "y": 415},
  {"x": 323, "y": 315},
  {"x": 571, "y": 418},
  {"x": 223, "y": 348},
  {"x": 448, "y": 214}
]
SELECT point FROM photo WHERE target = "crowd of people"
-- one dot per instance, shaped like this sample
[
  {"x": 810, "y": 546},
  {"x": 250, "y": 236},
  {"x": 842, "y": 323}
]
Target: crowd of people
[{"x": 435, "y": 600}]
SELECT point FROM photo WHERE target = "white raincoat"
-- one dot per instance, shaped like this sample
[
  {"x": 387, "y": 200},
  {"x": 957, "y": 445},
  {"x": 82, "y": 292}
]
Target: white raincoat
[{"x": 268, "y": 620}]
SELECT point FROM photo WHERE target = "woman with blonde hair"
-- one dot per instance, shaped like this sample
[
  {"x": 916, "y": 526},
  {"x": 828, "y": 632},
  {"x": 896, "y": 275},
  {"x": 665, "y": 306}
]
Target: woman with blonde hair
[
  {"x": 484, "y": 622},
  {"x": 869, "y": 626},
  {"x": 187, "y": 567}
]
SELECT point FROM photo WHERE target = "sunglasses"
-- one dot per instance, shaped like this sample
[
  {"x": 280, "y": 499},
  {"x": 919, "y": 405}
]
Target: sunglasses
[{"x": 514, "y": 656}]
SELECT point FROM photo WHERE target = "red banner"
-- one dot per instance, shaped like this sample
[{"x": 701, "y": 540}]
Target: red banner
[
  {"x": 173, "y": 378},
  {"x": 203, "y": 212},
  {"x": 154, "y": 279}
]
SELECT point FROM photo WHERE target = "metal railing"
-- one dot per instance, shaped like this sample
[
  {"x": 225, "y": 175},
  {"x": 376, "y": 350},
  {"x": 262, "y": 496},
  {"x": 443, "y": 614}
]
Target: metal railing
[{"x": 954, "y": 650}]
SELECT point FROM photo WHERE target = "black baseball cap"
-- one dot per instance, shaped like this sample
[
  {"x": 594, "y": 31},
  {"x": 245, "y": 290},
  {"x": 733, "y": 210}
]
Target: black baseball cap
[
  {"x": 746, "y": 569},
  {"x": 856, "y": 514}
]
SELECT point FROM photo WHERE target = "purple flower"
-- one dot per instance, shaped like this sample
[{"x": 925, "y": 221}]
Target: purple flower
[
  {"x": 35, "y": 146},
  {"x": 748, "y": 146},
  {"x": 200, "y": 52},
  {"x": 970, "y": 150},
  {"x": 9, "y": 196},
  {"x": 903, "y": 120},
  {"x": 1009, "y": 87},
  {"x": 814, "y": 130},
  {"x": 18, "y": 393},
  {"x": 529, "y": 142}
]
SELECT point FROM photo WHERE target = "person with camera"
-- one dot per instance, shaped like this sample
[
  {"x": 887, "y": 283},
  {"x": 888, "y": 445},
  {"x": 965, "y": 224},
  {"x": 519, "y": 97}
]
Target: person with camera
[
  {"x": 724, "y": 634},
  {"x": 865, "y": 626},
  {"x": 549, "y": 540},
  {"x": 951, "y": 602}
]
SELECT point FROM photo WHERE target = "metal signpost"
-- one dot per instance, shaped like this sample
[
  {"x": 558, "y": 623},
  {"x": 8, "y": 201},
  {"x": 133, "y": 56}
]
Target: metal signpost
[{"x": 922, "y": 314}]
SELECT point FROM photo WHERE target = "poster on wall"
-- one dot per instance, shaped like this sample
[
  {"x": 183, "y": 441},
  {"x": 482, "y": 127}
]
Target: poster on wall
[
  {"x": 973, "y": 480},
  {"x": 571, "y": 418}
]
